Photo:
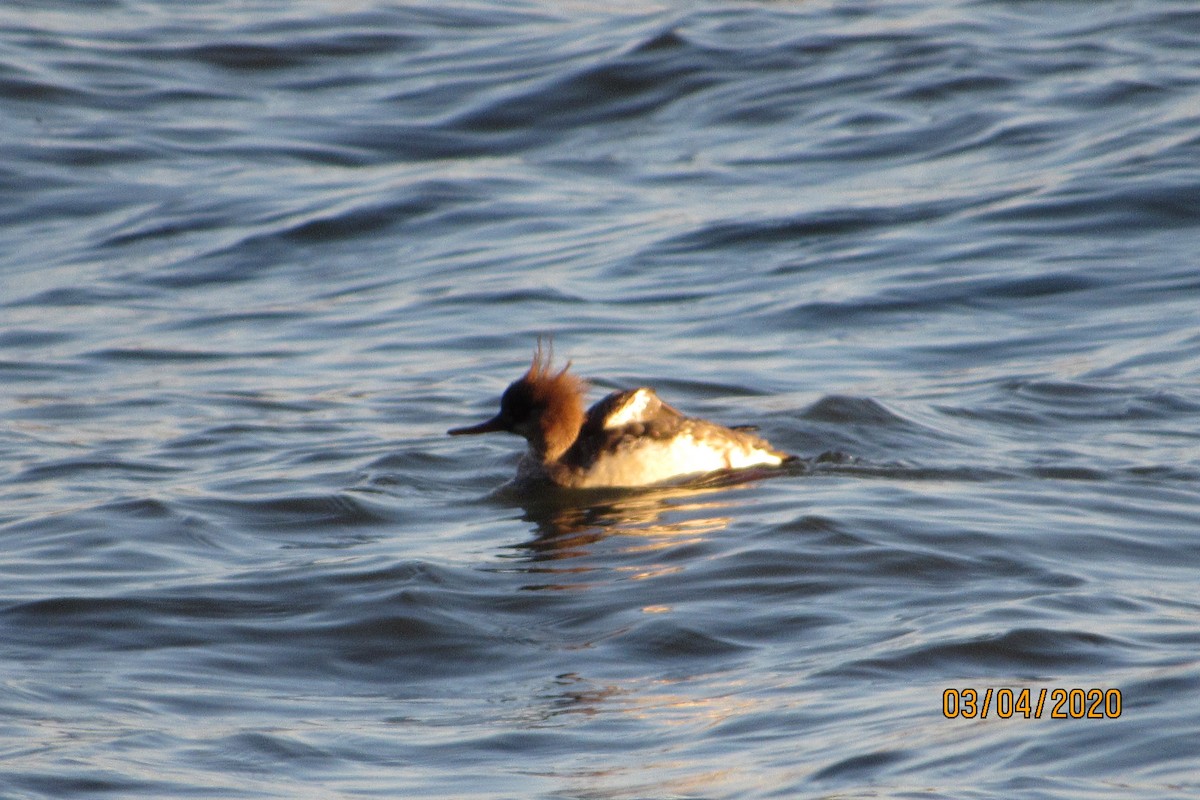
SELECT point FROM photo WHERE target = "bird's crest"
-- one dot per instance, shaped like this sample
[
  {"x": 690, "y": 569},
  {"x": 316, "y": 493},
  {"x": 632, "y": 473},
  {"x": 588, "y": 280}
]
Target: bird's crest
[{"x": 560, "y": 394}]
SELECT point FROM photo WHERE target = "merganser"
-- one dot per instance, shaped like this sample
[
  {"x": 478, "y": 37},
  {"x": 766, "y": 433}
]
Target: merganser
[{"x": 626, "y": 440}]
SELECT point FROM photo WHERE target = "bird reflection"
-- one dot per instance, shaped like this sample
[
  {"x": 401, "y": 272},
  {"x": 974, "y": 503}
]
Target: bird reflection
[{"x": 573, "y": 525}]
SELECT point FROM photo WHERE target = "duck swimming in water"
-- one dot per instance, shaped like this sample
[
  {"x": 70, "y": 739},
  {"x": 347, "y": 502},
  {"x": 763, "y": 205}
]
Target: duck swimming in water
[{"x": 628, "y": 439}]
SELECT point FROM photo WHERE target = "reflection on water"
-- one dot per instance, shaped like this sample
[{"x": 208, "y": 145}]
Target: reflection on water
[
  {"x": 677, "y": 707},
  {"x": 668, "y": 512},
  {"x": 571, "y": 525}
]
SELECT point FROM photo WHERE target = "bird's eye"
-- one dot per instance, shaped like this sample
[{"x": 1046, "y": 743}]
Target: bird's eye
[{"x": 516, "y": 401}]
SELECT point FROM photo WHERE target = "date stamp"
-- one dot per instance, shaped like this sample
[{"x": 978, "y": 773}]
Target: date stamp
[{"x": 1031, "y": 703}]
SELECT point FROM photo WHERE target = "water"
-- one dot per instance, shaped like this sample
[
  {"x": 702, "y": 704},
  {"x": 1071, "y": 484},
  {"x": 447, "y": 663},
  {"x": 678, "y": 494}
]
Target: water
[{"x": 255, "y": 260}]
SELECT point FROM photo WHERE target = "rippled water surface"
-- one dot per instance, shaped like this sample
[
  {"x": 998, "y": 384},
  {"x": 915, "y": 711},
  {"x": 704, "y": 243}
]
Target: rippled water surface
[{"x": 255, "y": 259}]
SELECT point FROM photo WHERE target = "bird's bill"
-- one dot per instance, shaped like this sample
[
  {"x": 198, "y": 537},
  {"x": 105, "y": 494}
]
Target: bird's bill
[{"x": 493, "y": 424}]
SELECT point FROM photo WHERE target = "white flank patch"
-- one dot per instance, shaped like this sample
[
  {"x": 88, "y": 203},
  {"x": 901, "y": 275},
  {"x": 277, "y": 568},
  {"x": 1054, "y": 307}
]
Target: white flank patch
[
  {"x": 634, "y": 409},
  {"x": 654, "y": 462}
]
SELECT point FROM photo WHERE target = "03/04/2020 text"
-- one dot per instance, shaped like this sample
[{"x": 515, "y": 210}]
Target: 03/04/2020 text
[{"x": 1031, "y": 703}]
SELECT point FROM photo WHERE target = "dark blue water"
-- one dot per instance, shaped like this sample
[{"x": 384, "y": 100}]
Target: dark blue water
[{"x": 256, "y": 259}]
